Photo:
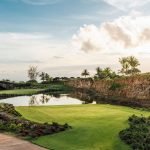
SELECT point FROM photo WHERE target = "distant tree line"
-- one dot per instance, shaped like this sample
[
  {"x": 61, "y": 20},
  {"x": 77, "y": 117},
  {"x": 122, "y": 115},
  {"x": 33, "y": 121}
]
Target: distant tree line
[{"x": 129, "y": 66}]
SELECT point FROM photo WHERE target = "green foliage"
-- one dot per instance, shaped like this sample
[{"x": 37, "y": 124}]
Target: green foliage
[
  {"x": 129, "y": 65},
  {"x": 37, "y": 88},
  {"x": 12, "y": 122},
  {"x": 115, "y": 86},
  {"x": 31, "y": 82},
  {"x": 45, "y": 77},
  {"x": 138, "y": 134},
  {"x": 105, "y": 73},
  {"x": 10, "y": 109}
]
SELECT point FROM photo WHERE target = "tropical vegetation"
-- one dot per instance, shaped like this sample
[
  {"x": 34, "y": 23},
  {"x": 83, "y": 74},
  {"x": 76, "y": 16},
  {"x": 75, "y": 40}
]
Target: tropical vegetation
[
  {"x": 129, "y": 65},
  {"x": 138, "y": 133},
  {"x": 12, "y": 121}
]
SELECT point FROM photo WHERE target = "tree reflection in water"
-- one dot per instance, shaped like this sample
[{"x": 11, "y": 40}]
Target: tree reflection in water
[
  {"x": 43, "y": 99},
  {"x": 86, "y": 98},
  {"x": 78, "y": 98},
  {"x": 33, "y": 100}
]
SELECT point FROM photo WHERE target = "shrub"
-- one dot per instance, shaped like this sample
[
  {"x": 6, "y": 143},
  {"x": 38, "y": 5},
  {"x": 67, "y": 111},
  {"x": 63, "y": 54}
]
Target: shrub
[
  {"x": 9, "y": 108},
  {"x": 138, "y": 133},
  {"x": 115, "y": 86},
  {"x": 12, "y": 121}
]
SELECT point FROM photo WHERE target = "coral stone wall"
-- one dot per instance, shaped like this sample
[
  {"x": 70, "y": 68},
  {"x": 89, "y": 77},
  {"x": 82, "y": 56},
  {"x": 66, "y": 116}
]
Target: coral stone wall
[{"x": 127, "y": 88}]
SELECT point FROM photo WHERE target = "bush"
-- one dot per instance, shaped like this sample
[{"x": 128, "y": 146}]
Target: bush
[
  {"x": 12, "y": 121},
  {"x": 115, "y": 86},
  {"x": 138, "y": 133},
  {"x": 32, "y": 81},
  {"x": 9, "y": 108}
]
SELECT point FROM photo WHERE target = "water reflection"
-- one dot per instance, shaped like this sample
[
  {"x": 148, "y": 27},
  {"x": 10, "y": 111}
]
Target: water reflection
[
  {"x": 36, "y": 100},
  {"x": 74, "y": 98},
  {"x": 42, "y": 99},
  {"x": 77, "y": 97},
  {"x": 84, "y": 97}
]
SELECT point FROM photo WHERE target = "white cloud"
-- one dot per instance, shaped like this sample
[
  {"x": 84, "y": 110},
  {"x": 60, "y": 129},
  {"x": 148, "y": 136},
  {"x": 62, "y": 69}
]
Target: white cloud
[
  {"x": 88, "y": 38},
  {"x": 20, "y": 50},
  {"x": 127, "y": 4},
  {"x": 28, "y": 46},
  {"x": 40, "y": 2},
  {"x": 121, "y": 34}
]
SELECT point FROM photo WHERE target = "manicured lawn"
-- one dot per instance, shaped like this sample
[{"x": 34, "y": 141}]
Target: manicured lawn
[
  {"x": 95, "y": 127},
  {"x": 35, "y": 88},
  {"x": 20, "y": 91}
]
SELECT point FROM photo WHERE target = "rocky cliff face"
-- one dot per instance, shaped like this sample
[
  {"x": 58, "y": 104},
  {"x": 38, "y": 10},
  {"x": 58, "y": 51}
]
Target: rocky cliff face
[{"x": 136, "y": 89}]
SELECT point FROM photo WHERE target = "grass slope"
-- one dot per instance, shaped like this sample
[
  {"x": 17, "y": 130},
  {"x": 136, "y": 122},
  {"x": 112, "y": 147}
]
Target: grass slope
[{"x": 95, "y": 127}]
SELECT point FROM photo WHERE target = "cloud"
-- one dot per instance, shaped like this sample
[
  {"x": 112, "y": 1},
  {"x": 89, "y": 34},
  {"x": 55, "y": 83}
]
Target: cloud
[
  {"x": 20, "y": 61},
  {"x": 27, "y": 47},
  {"x": 117, "y": 34},
  {"x": 19, "y": 50},
  {"x": 127, "y": 4},
  {"x": 40, "y": 2},
  {"x": 145, "y": 36},
  {"x": 58, "y": 57},
  {"x": 88, "y": 38},
  {"x": 123, "y": 33}
]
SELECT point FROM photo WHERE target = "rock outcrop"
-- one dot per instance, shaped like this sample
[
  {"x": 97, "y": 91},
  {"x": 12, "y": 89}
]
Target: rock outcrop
[{"x": 134, "y": 89}]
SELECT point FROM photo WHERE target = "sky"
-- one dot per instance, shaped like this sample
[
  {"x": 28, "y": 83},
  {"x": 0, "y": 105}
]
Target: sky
[{"x": 63, "y": 37}]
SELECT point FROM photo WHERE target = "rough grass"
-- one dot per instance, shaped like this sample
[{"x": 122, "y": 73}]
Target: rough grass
[{"x": 95, "y": 127}]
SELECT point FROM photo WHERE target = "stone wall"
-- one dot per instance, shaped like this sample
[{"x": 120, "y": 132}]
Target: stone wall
[{"x": 136, "y": 88}]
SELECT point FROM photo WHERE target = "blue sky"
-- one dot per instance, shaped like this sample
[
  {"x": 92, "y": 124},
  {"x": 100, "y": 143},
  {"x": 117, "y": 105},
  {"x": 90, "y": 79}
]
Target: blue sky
[
  {"x": 60, "y": 36},
  {"x": 57, "y": 18}
]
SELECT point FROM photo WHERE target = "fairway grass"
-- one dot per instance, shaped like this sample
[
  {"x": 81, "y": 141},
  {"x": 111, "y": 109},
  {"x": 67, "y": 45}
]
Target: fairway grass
[
  {"x": 94, "y": 127},
  {"x": 20, "y": 92}
]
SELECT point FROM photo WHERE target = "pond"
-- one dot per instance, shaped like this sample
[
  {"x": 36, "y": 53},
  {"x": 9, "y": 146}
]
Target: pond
[{"x": 43, "y": 99}]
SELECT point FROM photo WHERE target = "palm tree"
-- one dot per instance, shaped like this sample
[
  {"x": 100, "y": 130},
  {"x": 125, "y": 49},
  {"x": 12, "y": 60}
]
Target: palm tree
[
  {"x": 107, "y": 70},
  {"x": 125, "y": 65},
  {"x": 129, "y": 65},
  {"x": 99, "y": 72},
  {"x": 85, "y": 73},
  {"x": 134, "y": 63}
]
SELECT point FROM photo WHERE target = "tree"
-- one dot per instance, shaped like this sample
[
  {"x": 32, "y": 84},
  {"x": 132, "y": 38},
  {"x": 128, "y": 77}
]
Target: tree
[
  {"x": 85, "y": 73},
  {"x": 47, "y": 77},
  {"x": 42, "y": 75},
  {"x": 104, "y": 73},
  {"x": 134, "y": 63},
  {"x": 32, "y": 72},
  {"x": 129, "y": 65},
  {"x": 125, "y": 65},
  {"x": 99, "y": 72},
  {"x": 107, "y": 72}
]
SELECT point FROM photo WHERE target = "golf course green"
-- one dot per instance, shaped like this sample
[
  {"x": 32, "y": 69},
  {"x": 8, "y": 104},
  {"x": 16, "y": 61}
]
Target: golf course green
[{"x": 94, "y": 127}]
